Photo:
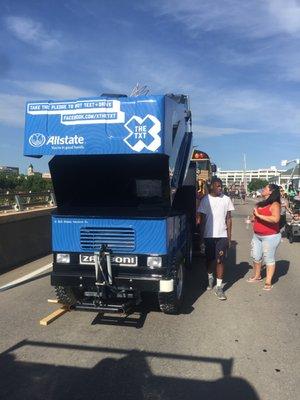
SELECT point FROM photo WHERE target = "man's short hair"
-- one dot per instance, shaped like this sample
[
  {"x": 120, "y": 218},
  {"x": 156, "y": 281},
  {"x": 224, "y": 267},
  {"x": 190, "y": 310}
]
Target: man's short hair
[{"x": 215, "y": 179}]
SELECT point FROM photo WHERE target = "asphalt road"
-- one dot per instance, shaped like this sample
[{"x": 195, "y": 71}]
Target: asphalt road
[{"x": 245, "y": 348}]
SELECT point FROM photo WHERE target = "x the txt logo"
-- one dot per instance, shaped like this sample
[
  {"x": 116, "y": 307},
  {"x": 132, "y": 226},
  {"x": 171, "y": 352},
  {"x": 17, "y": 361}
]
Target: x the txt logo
[{"x": 143, "y": 133}]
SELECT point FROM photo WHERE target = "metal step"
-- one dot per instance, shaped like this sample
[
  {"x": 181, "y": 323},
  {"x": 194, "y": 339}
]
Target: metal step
[{"x": 123, "y": 308}]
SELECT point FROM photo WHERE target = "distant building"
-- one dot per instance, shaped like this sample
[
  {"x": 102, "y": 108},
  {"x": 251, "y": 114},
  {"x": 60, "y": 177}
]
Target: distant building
[
  {"x": 31, "y": 172},
  {"x": 9, "y": 170},
  {"x": 46, "y": 175},
  {"x": 239, "y": 177},
  {"x": 285, "y": 178}
]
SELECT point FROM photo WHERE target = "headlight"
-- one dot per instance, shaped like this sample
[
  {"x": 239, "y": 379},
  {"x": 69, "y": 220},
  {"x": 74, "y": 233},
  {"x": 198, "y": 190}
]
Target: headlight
[
  {"x": 62, "y": 258},
  {"x": 154, "y": 261}
]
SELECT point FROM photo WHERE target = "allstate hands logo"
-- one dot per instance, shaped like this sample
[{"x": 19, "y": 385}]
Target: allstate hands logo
[
  {"x": 143, "y": 133},
  {"x": 37, "y": 139}
]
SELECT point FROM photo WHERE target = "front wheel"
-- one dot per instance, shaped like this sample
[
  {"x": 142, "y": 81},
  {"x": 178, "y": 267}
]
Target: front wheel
[
  {"x": 67, "y": 295},
  {"x": 171, "y": 302}
]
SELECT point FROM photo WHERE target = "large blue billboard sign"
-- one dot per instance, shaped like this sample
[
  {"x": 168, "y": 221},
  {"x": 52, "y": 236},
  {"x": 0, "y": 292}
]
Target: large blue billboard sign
[{"x": 95, "y": 126}]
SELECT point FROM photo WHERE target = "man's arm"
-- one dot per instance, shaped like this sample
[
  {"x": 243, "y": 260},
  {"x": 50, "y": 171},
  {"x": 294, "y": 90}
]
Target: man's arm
[
  {"x": 274, "y": 218},
  {"x": 201, "y": 216},
  {"x": 229, "y": 225},
  {"x": 201, "y": 221}
]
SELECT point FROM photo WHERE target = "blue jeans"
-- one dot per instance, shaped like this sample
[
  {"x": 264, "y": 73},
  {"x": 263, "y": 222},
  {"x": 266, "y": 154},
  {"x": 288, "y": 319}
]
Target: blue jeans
[{"x": 264, "y": 247}]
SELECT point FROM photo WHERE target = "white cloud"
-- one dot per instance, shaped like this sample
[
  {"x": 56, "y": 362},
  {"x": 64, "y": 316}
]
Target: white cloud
[
  {"x": 286, "y": 14},
  {"x": 259, "y": 33},
  {"x": 53, "y": 90},
  {"x": 218, "y": 108},
  {"x": 252, "y": 110},
  {"x": 254, "y": 18},
  {"x": 151, "y": 65},
  {"x": 201, "y": 131},
  {"x": 13, "y": 106},
  {"x": 114, "y": 85},
  {"x": 33, "y": 33},
  {"x": 12, "y": 110},
  {"x": 292, "y": 73}
]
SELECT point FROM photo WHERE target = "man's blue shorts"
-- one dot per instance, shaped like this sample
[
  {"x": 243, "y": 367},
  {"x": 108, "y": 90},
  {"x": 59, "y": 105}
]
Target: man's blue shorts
[{"x": 216, "y": 249}]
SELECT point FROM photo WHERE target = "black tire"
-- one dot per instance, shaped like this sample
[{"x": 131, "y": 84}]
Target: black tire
[
  {"x": 67, "y": 295},
  {"x": 291, "y": 239},
  {"x": 170, "y": 303}
]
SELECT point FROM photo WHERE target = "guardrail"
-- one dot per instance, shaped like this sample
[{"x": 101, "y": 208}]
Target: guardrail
[{"x": 24, "y": 201}]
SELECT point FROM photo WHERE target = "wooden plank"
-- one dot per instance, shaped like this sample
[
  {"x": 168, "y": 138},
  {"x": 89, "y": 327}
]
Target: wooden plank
[
  {"x": 53, "y": 301},
  {"x": 53, "y": 316}
]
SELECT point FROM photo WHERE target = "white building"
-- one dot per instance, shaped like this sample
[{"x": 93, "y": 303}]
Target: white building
[
  {"x": 31, "y": 172},
  {"x": 284, "y": 179},
  {"x": 238, "y": 177},
  {"x": 46, "y": 175}
]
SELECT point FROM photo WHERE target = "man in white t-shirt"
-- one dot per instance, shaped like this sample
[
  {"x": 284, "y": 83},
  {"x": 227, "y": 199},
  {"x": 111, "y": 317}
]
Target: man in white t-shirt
[{"x": 216, "y": 225}]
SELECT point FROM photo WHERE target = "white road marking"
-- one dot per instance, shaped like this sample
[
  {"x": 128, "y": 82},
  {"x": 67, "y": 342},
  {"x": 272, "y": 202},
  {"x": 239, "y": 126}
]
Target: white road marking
[{"x": 25, "y": 277}]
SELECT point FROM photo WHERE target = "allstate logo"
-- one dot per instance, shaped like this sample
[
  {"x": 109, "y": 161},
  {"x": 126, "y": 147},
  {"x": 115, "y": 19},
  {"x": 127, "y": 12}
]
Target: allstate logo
[{"x": 37, "y": 139}]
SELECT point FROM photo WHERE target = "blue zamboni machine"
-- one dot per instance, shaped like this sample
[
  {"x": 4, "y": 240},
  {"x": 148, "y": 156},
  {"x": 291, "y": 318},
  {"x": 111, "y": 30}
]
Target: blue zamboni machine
[{"x": 125, "y": 193}]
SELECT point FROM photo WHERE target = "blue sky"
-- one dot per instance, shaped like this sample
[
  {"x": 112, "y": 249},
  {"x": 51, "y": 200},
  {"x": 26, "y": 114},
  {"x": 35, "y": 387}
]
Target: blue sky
[{"x": 238, "y": 61}]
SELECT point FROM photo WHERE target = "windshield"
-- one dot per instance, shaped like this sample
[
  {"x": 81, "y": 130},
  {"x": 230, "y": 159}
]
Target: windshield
[{"x": 203, "y": 165}]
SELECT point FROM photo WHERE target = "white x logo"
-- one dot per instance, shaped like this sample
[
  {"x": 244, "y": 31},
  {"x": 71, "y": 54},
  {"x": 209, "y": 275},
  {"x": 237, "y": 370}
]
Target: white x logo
[{"x": 153, "y": 131}]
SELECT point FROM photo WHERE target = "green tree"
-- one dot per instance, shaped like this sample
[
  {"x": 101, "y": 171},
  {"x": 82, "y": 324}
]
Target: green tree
[
  {"x": 23, "y": 183},
  {"x": 257, "y": 184},
  {"x": 8, "y": 182},
  {"x": 35, "y": 183}
]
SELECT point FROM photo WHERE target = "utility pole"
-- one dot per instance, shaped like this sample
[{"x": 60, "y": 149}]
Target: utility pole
[
  {"x": 284, "y": 163},
  {"x": 245, "y": 179}
]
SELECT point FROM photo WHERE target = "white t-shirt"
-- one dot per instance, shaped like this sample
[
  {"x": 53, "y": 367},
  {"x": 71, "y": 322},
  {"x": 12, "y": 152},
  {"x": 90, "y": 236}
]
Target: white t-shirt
[{"x": 215, "y": 209}]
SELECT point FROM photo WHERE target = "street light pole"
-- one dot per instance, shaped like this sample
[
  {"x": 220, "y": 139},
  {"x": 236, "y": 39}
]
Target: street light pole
[
  {"x": 245, "y": 179},
  {"x": 284, "y": 163}
]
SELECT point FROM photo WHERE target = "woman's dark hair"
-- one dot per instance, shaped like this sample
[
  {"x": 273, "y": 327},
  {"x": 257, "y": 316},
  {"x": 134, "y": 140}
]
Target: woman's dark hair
[{"x": 273, "y": 198}]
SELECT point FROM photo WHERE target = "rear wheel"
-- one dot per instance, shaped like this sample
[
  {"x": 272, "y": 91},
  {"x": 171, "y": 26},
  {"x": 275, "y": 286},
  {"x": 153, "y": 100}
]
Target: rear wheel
[
  {"x": 171, "y": 302},
  {"x": 67, "y": 295}
]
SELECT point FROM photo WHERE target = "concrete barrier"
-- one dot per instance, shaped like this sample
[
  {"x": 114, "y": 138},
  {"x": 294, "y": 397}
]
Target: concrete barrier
[{"x": 24, "y": 237}]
